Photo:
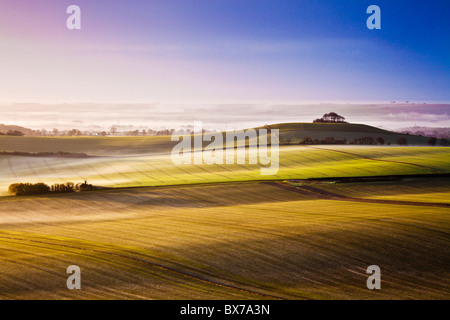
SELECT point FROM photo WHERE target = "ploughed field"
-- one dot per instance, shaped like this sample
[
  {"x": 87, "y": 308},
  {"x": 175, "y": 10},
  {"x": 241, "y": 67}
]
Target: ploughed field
[{"x": 252, "y": 240}]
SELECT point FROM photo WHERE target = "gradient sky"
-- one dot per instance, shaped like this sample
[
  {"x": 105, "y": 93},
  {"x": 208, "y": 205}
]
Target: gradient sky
[
  {"x": 224, "y": 50},
  {"x": 276, "y": 55}
]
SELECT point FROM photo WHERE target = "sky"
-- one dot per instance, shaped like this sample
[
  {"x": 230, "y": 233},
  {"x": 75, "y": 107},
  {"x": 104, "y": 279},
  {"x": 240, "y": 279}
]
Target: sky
[{"x": 222, "y": 52}]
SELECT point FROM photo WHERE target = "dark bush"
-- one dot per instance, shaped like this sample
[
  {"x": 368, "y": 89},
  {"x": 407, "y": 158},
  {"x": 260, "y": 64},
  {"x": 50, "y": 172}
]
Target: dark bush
[
  {"x": 62, "y": 188},
  {"x": 402, "y": 141},
  {"x": 307, "y": 140},
  {"x": 23, "y": 189},
  {"x": 432, "y": 141},
  {"x": 365, "y": 140},
  {"x": 327, "y": 140},
  {"x": 14, "y": 133},
  {"x": 380, "y": 140}
]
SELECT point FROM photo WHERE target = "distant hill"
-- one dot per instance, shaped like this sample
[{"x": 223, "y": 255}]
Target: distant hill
[
  {"x": 5, "y": 128},
  {"x": 326, "y": 127},
  {"x": 294, "y": 133},
  {"x": 427, "y": 131},
  {"x": 290, "y": 134}
]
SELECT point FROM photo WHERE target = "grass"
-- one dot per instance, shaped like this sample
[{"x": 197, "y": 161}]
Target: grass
[
  {"x": 227, "y": 241},
  {"x": 298, "y": 131},
  {"x": 90, "y": 145},
  {"x": 425, "y": 190},
  {"x": 296, "y": 162}
]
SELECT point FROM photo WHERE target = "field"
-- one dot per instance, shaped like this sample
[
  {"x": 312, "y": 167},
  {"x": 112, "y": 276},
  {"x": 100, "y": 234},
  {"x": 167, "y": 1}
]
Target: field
[
  {"x": 166, "y": 231},
  {"x": 239, "y": 241},
  {"x": 427, "y": 190},
  {"x": 295, "y": 162}
]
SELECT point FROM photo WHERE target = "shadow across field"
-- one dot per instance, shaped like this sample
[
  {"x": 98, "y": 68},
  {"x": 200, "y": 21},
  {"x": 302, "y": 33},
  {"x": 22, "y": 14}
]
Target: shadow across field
[
  {"x": 298, "y": 262},
  {"x": 191, "y": 196},
  {"x": 240, "y": 240},
  {"x": 327, "y": 195}
]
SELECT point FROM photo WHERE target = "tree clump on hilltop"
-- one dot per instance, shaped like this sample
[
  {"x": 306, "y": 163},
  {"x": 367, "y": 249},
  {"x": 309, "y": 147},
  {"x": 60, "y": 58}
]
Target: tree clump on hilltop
[{"x": 331, "y": 117}]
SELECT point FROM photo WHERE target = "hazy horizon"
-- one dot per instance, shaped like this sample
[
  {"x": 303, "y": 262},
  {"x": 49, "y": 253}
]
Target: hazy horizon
[{"x": 95, "y": 116}]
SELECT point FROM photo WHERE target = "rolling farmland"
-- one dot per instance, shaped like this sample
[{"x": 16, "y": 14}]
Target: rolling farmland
[
  {"x": 296, "y": 162},
  {"x": 224, "y": 231},
  {"x": 245, "y": 152},
  {"x": 427, "y": 190},
  {"x": 239, "y": 240},
  {"x": 120, "y": 146}
]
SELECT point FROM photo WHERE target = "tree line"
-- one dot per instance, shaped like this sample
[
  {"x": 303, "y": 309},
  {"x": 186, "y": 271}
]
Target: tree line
[
  {"x": 25, "y": 189},
  {"x": 368, "y": 140},
  {"x": 112, "y": 132},
  {"x": 15, "y": 133}
]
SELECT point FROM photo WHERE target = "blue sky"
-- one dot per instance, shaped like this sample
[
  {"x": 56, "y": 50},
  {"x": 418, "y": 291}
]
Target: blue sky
[{"x": 225, "y": 50}]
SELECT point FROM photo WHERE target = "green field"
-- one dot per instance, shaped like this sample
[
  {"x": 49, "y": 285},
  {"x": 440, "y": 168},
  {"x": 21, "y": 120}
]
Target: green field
[
  {"x": 427, "y": 190},
  {"x": 296, "y": 132},
  {"x": 295, "y": 162},
  {"x": 166, "y": 231},
  {"x": 96, "y": 146},
  {"x": 227, "y": 241}
]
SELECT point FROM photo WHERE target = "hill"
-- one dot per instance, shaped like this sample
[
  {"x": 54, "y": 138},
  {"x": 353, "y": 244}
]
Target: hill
[
  {"x": 442, "y": 133},
  {"x": 5, "y": 128},
  {"x": 325, "y": 127},
  {"x": 294, "y": 133},
  {"x": 290, "y": 133}
]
